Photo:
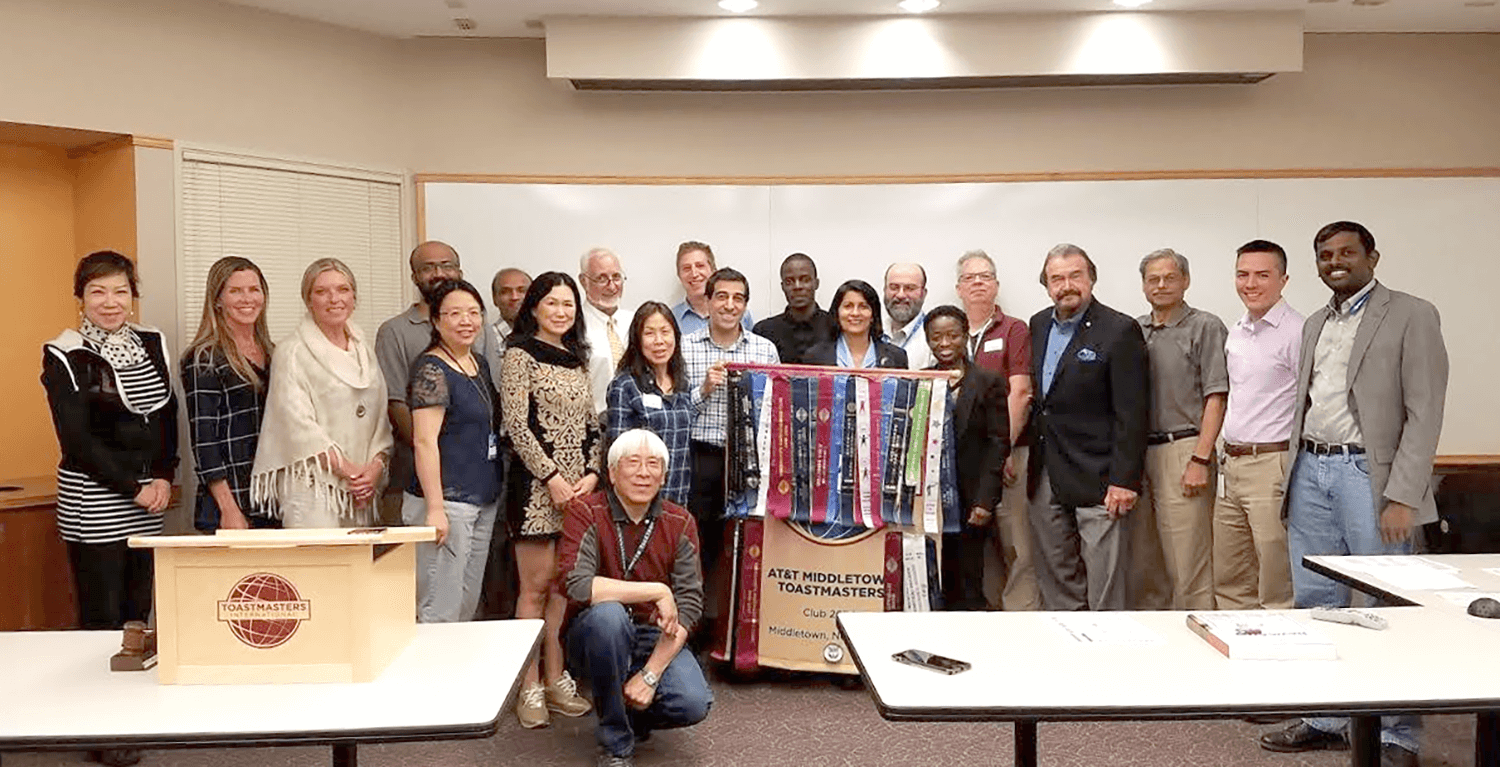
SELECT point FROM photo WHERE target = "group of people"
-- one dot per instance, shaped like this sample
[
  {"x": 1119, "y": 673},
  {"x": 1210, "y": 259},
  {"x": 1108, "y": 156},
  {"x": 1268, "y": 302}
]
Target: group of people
[{"x": 570, "y": 452}]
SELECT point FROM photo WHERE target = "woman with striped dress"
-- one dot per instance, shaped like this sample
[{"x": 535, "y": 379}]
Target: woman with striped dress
[{"x": 110, "y": 389}]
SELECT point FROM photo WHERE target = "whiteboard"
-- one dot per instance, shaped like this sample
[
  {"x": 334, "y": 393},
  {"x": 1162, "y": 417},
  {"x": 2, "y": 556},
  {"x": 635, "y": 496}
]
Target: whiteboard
[{"x": 1439, "y": 239}]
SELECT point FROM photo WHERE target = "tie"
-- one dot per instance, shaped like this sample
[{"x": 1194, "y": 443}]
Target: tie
[{"x": 616, "y": 349}]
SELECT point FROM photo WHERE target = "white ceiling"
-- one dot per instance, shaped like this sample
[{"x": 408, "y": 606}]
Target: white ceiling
[{"x": 520, "y": 18}]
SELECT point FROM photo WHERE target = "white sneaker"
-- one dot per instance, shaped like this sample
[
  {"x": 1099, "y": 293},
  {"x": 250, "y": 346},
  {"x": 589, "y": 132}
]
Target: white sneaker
[
  {"x": 563, "y": 697},
  {"x": 531, "y": 706}
]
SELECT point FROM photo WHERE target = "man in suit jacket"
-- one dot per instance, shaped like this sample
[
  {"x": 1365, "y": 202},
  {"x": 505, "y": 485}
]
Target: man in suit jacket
[
  {"x": 1370, "y": 389},
  {"x": 1090, "y": 417}
]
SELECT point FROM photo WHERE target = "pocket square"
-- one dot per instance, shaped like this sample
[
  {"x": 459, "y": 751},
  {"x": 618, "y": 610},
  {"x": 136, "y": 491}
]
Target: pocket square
[{"x": 1087, "y": 355}]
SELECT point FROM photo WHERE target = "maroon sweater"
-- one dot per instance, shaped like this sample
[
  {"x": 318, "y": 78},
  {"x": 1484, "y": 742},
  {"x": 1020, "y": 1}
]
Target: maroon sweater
[{"x": 590, "y": 548}]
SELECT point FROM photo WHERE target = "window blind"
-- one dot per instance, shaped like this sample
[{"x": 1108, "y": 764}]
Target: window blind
[{"x": 283, "y": 218}]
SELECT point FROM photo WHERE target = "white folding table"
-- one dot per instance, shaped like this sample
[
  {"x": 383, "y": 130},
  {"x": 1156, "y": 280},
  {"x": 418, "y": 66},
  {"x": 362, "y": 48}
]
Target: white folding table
[
  {"x": 452, "y": 682},
  {"x": 1470, "y": 568},
  {"x": 1027, "y": 670}
]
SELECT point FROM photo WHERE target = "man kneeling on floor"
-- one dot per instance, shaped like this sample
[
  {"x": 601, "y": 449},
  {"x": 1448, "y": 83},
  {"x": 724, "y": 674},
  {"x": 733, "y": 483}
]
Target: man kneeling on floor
[{"x": 630, "y": 567}]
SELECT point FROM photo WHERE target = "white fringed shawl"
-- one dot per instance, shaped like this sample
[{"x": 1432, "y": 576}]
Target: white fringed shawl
[{"x": 320, "y": 398}]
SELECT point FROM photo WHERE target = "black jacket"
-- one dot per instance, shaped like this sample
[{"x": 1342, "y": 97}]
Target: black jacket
[
  {"x": 99, "y": 433},
  {"x": 1090, "y": 429},
  {"x": 981, "y": 424},
  {"x": 887, "y": 355}
]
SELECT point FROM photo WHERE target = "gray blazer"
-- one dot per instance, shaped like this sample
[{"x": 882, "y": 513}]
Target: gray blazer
[{"x": 1398, "y": 380}]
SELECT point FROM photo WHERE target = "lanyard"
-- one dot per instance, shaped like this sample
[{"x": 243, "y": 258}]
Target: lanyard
[
  {"x": 484, "y": 396},
  {"x": 640, "y": 548},
  {"x": 914, "y": 331}
]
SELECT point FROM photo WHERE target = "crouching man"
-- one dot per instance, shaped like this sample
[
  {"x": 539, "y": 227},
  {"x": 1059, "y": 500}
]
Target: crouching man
[{"x": 630, "y": 567}]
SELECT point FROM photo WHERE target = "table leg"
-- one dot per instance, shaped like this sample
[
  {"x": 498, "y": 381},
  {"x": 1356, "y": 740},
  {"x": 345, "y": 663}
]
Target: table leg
[
  {"x": 1487, "y": 739},
  {"x": 1364, "y": 741},
  {"x": 1025, "y": 742},
  {"x": 346, "y": 755}
]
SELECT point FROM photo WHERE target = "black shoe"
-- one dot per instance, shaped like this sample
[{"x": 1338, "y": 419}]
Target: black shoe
[
  {"x": 1392, "y": 755},
  {"x": 116, "y": 757},
  {"x": 1302, "y": 736}
]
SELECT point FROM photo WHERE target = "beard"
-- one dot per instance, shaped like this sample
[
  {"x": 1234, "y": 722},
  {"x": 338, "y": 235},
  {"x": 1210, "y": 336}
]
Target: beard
[{"x": 902, "y": 312}]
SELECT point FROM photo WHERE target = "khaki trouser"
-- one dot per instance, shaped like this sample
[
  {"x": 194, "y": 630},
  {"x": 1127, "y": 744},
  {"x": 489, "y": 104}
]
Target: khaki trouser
[
  {"x": 1251, "y": 565},
  {"x": 1009, "y": 573},
  {"x": 1173, "y": 534}
]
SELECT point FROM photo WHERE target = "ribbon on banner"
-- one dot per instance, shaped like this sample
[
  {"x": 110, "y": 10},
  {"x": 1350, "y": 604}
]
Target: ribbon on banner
[
  {"x": 822, "y": 449},
  {"x": 763, "y": 445},
  {"x": 802, "y": 414},
  {"x": 747, "y": 623},
  {"x": 864, "y": 450},
  {"x": 892, "y": 437},
  {"x": 779, "y": 496},
  {"x": 838, "y": 418}
]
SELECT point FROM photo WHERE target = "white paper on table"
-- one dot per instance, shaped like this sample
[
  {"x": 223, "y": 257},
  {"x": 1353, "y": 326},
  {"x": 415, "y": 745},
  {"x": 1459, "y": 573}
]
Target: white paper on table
[
  {"x": 1463, "y": 598},
  {"x": 1408, "y": 572},
  {"x": 1493, "y": 571},
  {"x": 1105, "y": 629}
]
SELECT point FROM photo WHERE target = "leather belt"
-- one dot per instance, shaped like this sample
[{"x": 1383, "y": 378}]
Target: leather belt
[
  {"x": 1163, "y": 437},
  {"x": 1323, "y": 448},
  {"x": 1255, "y": 448}
]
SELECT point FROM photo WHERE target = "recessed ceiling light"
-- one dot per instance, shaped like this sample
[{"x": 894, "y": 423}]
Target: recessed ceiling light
[
  {"x": 918, "y": 6},
  {"x": 1131, "y": 3},
  {"x": 738, "y": 6}
]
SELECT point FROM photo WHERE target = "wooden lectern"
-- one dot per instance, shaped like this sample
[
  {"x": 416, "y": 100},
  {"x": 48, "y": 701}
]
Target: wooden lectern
[{"x": 284, "y": 606}]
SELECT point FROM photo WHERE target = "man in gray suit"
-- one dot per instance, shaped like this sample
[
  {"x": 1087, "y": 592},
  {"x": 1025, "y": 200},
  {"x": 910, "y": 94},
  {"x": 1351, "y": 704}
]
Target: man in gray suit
[{"x": 1370, "y": 391}]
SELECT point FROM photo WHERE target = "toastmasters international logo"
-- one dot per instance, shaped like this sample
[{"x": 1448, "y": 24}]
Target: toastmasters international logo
[{"x": 263, "y": 610}]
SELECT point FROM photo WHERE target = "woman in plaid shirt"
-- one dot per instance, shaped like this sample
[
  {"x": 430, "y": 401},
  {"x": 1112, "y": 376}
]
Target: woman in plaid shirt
[
  {"x": 651, "y": 392},
  {"x": 224, "y": 374}
]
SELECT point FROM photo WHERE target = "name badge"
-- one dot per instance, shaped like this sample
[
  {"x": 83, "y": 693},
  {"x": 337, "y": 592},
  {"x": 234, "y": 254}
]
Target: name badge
[
  {"x": 652, "y": 401},
  {"x": 494, "y": 447},
  {"x": 994, "y": 345}
]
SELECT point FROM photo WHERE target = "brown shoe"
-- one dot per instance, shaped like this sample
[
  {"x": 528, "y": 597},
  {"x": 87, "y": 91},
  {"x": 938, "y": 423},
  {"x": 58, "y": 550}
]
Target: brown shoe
[
  {"x": 531, "y": 706},
  {"x": 1301, "y": 736},
  {"x": 116, "y": 757},
  {"x": 563, "y": 698}
]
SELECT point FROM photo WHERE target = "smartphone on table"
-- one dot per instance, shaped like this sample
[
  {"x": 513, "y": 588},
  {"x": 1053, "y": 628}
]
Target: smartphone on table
[{"x": 931, "y": 661}]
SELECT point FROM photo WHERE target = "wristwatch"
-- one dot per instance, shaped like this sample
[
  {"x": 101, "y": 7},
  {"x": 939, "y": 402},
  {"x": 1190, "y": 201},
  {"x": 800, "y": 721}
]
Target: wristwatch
[
  {"x": 1200, "y": 460},
  {"x": 650, "y": 678}
]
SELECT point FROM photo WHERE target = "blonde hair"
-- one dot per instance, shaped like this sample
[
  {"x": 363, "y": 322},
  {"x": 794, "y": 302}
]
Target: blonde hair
[
  {"x": 327, "y": 264},
  {"x": 213, "y": 331}
]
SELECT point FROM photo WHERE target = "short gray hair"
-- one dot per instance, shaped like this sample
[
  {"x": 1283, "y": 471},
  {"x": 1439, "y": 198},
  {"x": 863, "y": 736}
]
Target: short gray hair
[
  {"x": 1065, "y": 250},
  {"x": 973, "y": 254},
  {"x": 593, "y": 253},
  {"x": 1157, "y": 255},
  {"x": 633, "y": 441}
]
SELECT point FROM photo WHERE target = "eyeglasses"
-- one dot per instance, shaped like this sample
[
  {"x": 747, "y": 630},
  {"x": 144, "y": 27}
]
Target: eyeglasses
[
  {"x": 439, "y": 266},
  {"x": 605, "y": 279},
  {"x": 454, "y": 315},
  {"x": 633, "y": 463},
  {"x": 972, "y": 277}
]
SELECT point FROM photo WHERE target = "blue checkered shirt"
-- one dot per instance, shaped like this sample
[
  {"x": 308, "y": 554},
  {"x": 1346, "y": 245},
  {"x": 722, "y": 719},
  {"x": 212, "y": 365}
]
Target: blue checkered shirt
[{"x": 671, "y": 418}]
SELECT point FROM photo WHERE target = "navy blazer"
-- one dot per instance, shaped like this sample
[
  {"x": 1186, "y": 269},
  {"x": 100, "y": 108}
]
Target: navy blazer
[
  {"x": 1090, "y": 429},
  {"x": 887, "y": 355}
]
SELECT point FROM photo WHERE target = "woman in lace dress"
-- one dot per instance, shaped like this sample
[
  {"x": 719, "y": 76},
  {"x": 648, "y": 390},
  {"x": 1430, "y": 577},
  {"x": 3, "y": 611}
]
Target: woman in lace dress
[{"x": 549, "y": 414}]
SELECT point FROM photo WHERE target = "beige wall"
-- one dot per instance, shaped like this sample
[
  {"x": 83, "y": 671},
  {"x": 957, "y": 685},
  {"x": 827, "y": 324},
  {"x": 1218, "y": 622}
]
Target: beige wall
[{"x": 197, "y": 71}]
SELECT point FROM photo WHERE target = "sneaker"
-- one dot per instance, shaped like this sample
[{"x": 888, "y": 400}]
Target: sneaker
[
  {"x": 563, "y": 697},
  {"x": 531, "y": 706},
  {"x": 607, "y": 759}
]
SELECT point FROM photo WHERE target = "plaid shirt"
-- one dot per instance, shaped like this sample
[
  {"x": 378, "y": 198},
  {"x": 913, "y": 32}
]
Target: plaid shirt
[
  {"x": 670, "y": 416},
  {"x": 700, "y": 352},
  {"x": 224, "y": 415}
]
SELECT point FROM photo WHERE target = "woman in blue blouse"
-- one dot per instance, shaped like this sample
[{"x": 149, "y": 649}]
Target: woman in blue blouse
[
  {"x": 650, "y": 391},
  {"x": 224, "y": 375},
  {"x": 859, "y": 342},
  {"x": 455, "y": 448}
]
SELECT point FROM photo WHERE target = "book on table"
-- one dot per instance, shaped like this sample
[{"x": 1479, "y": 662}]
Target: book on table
[{"x": 1257, "y": 635}]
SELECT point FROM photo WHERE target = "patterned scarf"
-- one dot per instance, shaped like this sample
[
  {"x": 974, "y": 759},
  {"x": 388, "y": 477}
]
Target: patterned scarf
[{"x": 122, "y": 348}]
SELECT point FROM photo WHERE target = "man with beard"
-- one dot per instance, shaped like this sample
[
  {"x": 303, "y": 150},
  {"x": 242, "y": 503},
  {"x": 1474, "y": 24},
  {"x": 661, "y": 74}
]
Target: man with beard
[
  {"x": 400, "y": 340},
  {"x": 1090, "y": 416},
  {"x": 509, "y": 290},
  {"x": 803, "y": 324},
  {"x": 905, "y": 290}
]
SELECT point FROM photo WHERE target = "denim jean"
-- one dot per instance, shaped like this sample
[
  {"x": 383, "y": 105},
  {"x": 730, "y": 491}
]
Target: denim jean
[
  {"x": 450, "y": 576},
  {"x": 607, "y": 647},
  {"x": 1331, "y": 510}
]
